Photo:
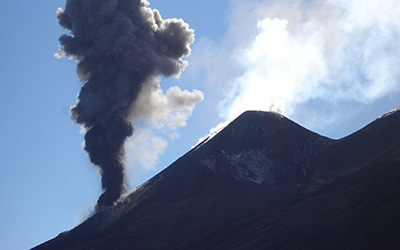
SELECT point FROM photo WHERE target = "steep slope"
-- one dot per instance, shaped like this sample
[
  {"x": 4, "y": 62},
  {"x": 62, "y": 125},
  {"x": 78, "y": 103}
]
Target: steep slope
[
  {"x": 263, "y": 182},
  {"x": 264, "y": 148}
]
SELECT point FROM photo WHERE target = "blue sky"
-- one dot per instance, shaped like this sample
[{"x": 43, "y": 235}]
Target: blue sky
[{"x": 332, "y": 67}]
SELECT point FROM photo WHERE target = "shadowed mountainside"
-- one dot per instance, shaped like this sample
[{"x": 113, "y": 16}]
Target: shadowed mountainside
[{"x": 263, "y": 182}]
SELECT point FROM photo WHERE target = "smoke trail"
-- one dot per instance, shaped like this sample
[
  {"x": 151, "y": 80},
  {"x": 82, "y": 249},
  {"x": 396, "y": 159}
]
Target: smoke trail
[{"x": 121, "y": 45}]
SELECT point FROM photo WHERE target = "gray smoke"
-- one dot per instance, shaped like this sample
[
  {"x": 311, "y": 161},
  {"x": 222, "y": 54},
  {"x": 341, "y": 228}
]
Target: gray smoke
[{"x": 119, "y": 46}]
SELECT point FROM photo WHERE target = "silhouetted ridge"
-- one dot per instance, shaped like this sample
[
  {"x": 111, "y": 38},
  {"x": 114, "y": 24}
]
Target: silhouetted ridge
[
  {"x": 263, "y": 182},
  {"x": 352, "y": 152}
]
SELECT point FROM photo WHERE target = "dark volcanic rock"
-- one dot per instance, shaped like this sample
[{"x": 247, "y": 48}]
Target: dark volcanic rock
[
  {"x": 264, "y": 148},
  {"x": 263, "y": 182}
]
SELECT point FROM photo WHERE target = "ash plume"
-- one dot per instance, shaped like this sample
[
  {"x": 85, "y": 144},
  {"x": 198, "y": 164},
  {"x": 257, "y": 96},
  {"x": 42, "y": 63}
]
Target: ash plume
[{"x": 120, "y": 46}]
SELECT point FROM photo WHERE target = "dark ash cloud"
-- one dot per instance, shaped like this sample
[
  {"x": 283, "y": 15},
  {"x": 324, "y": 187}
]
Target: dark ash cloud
[{"x": 119, "y": 46}]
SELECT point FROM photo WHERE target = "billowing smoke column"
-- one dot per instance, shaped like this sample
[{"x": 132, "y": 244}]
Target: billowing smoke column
[{"x": 120, "y": 45}]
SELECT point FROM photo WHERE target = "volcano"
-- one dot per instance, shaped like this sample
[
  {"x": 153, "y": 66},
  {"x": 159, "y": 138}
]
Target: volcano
[{"x": 263, "y": 182}]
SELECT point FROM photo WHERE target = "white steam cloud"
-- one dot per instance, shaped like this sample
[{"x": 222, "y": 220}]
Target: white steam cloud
[
  {"x": 162, "y": 113},
  {"x": 168, "y": 110},
  {"x": 310, "y": 55}
]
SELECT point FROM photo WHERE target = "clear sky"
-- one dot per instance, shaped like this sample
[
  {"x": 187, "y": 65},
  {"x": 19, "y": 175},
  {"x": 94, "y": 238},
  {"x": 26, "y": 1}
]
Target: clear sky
[{"x": 331, "y": 66}]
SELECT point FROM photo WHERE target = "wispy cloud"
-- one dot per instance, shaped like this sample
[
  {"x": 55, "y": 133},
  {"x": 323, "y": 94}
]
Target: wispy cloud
[{"x": 145, "y": 148}]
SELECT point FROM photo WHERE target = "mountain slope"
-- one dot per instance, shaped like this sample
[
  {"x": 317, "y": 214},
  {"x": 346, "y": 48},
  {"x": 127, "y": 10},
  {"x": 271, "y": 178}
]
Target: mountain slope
[{"x": 263, "y": 182}]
